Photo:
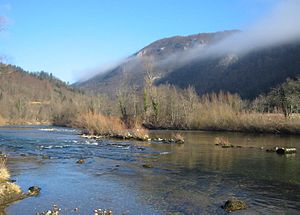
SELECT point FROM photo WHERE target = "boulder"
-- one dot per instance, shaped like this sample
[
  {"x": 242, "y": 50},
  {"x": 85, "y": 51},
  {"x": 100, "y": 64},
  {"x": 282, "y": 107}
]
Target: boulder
[
  {"x": 234, "y": 205},
  {"x": 148, "y": 166},
  {"x": 282, "y": 151}
]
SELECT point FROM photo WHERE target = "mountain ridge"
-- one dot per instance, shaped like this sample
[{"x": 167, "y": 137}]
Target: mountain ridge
[{"x": 165, "y": 59}]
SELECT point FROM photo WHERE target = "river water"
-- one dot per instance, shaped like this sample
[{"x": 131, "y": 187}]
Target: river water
[{"x": 193, "y": 178}]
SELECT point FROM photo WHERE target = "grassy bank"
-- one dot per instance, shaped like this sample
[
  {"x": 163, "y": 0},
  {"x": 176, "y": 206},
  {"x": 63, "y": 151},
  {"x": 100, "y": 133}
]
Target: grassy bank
[
  {"x": 9, "y": 192},
  {"x": 250, "y": 123},
  {"x": 211, "y": 117},
  {"x": 108, "y": 126},
  {"x": 214, "y": 112},
  {"x": 208, "y": 116},
  {"x": 240, "y": 122}
]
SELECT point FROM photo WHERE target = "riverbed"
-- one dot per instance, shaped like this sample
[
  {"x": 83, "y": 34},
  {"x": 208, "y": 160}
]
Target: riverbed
[{"x": 196, "y": 177}]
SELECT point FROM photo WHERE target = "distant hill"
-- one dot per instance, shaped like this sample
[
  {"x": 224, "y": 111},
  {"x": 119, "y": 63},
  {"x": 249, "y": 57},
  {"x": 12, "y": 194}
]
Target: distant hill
[
  {"x": 32, "y": 97},
  {"x": 248, "y": 75}
]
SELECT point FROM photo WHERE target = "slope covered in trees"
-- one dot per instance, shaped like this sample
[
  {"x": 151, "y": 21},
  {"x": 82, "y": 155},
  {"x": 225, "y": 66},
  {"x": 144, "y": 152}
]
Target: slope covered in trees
[
  {"x": 284, "y": 98},
  {"x": 33, "y": 98},
  {"x": 36, "y": 97},
  {"x": 247, "y": 75}
]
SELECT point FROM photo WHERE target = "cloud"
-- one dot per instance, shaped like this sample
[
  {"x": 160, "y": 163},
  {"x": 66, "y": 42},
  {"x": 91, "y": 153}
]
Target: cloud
[
  {"x": 86, "y": 74},
  {"x": 280, "y": 26}
]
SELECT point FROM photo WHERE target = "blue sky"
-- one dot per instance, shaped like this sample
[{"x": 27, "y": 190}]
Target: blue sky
[{"x": 71, "y": 37}]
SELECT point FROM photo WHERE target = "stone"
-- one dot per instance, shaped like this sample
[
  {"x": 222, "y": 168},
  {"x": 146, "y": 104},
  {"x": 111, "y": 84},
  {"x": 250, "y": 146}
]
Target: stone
[
  {"x": 179, "y": 141},
  {"x": 270, "y": 150},
  {"x": 80, "y": 161},
  {"x": 234, "y": 205},
  {"x": 148, "y": 166},
  {"x": 34, "y": 191},
  {"x": 226, "y": 146},
  {"x": 282, "y": 151}
]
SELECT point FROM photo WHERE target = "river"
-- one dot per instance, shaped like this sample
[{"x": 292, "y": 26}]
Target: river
[{"x": 196, "y": 177}]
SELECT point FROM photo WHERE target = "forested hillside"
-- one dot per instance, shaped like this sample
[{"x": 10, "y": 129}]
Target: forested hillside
[
  {"x": 247, "y": 75},
  {"x": 37, "y": 97}
]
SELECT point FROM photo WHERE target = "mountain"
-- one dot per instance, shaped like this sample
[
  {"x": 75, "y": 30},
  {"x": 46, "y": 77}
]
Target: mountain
[
  {"x": 179, "y": 61},
  {"x": 132, "y": 70},
  {"x": 248, "y": 75}
]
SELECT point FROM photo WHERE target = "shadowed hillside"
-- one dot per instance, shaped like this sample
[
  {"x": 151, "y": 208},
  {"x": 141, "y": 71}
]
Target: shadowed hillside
[
  {"x": 248, "y": 75},
  {"x": 166, "y": 60},
  {"x": 154, "y": 58}
]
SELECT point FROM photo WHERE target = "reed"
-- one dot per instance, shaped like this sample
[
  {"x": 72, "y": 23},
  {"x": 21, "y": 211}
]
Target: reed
[{"x": 2, "y": 120}]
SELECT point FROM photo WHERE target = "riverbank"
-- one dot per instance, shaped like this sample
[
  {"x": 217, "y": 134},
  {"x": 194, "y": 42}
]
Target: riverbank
[
  {"x": 244, "y": 123},
  {"x": 9, "y": 191},
  {"x": 113, "y": 127}
]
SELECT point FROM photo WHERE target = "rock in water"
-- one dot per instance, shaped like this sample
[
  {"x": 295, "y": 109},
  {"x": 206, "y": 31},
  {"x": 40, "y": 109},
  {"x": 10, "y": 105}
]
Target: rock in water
[
  {"x": 81, "y": 161},
  {"x": 34, "y": 191},
  {"x": 147, "y": 166},
  {"x": 234, "y": 205},
  {"x": 282, "y": 151}
]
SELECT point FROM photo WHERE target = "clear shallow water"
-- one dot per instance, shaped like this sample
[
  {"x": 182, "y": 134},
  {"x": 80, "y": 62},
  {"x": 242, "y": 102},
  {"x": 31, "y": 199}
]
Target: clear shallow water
[{"x": 194, "y": 178}]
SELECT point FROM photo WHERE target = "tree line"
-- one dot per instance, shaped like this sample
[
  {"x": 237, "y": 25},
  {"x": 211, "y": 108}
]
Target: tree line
[{"x": 41, "y": 98}]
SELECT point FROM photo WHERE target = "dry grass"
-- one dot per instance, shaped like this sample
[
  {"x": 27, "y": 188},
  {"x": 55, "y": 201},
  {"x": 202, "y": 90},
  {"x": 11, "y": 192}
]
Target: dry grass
[
  {"x": 4, "y": 173},
  {"x": 2, "y": 121},
  {"x": 9, "y": 192},
  {"x": 221, "y": 114},
  {"x": 98, "y": 124},
  {"x": 139, "y": 132},
  {"x": 179, "y": 137},
  {"x": 9, "y": 188},
  {"x": 221, "y": 141}
]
